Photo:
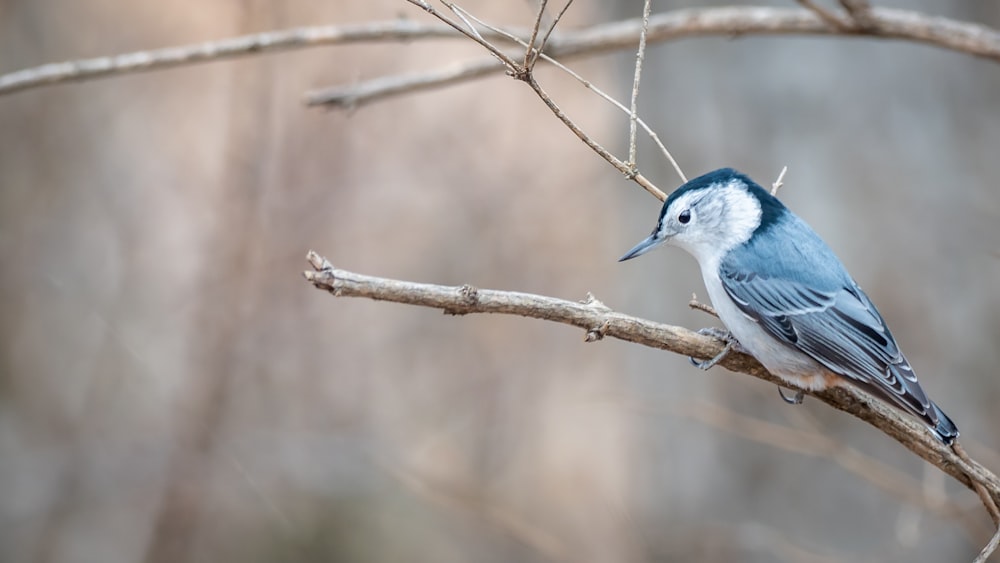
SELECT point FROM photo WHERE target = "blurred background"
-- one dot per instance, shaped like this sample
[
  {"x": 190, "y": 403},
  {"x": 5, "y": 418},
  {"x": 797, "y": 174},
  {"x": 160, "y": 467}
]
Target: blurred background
[{"x": 172, "y": 390}]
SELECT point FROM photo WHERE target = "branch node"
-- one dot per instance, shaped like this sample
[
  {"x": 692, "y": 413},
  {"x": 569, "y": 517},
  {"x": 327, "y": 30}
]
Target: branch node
[
  {"x": 594, "y": 303},
  {"x": 470, "y": 299},
  {"x": 860, "y": 12},
  {"x": 469, "y": 294},
  {"x": 597, "y": 333},
  {"x": 520, "y": 73}
]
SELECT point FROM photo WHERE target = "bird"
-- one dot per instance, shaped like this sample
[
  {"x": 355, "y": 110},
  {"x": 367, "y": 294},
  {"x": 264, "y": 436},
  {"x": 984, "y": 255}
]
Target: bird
[{"x": 785, "y": 297}]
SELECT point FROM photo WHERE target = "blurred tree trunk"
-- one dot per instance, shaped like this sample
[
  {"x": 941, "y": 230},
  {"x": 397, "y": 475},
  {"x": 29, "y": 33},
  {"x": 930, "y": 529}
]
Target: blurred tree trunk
[{"x": 232, "y": 245}]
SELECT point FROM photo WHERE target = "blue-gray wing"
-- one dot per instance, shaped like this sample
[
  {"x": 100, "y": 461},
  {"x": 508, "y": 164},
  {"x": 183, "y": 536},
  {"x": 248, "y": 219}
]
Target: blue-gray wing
[{"x": 838, "y": 326}]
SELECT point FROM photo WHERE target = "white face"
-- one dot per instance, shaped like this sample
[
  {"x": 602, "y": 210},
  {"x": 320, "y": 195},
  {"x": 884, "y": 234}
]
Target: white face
[{"x": 709, "y": 222}]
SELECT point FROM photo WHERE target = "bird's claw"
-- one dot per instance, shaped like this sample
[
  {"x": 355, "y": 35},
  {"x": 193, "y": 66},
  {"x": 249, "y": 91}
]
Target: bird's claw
[
  {"x": 795, "y": 399},
  {"x": 721, "y": 335}
]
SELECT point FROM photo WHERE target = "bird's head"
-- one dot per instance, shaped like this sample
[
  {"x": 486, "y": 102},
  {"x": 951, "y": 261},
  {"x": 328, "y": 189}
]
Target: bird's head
[{"x": 712, "y": 214}]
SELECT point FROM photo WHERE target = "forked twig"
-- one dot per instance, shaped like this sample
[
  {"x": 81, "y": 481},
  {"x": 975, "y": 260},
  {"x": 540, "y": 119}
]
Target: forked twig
[
  {"x": 530, "y": 56},
  {"x": 590, "y": 86},
  {"x": 555, "y": 22},
  {"x": 524, "y": 74}
]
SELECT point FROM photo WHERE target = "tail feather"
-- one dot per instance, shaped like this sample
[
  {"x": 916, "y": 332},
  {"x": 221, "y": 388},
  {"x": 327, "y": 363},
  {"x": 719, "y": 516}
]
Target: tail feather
[
  {"x": 911, "y": 399},
  {"x": 945, "y": 428}
]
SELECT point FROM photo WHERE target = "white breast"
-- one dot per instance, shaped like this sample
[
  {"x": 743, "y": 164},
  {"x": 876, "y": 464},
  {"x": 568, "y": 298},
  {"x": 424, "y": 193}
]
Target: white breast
[{"x": 779, "y": 358}]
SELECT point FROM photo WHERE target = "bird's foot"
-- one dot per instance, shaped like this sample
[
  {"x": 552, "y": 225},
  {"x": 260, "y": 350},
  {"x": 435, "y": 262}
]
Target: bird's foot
[
  {"x": 795, "y": 399},
  {"x": 724, "y": 335}
]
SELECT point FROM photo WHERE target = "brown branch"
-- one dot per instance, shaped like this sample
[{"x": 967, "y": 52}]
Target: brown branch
[
  {"x": 883, "y": 23},
  {"x": 973, "y": 39},
  {"x": 354, "y": 96},
  {"x": 599, "y": 321},
  {"x": 245, "y": 45}
]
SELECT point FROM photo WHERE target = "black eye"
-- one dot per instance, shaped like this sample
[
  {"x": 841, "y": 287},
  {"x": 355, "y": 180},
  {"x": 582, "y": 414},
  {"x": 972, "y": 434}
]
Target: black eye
[{"x": 684, "y": 217}]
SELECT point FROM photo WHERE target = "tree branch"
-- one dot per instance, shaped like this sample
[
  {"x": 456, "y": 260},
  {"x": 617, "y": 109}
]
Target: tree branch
[
  {"x": 882, "y": 23},
  {"x": 245, "y": 45},
  {"x": 973, "y": 39},
  {"x": 353, "y": 96},
  {"x": 599, "y": 321}
]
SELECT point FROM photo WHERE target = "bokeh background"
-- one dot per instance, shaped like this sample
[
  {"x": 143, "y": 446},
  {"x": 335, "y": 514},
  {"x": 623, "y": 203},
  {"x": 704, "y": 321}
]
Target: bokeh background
[{"x": 172, "y": 390}]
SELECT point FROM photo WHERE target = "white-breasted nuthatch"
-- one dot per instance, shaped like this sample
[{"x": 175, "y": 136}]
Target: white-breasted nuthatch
[{"x": 784, "y": 296}]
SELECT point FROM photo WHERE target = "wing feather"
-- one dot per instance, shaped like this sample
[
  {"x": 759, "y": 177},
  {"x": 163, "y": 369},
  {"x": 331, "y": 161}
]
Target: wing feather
[{"x": 838, "y": 327}]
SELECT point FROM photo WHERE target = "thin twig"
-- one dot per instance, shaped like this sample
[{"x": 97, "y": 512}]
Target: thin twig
[
  {"x": 594, "y": 145},
  {"x": 779, "y": 182},
  {"x": 645, "y": 127},
  {"x": 353, "y": 96},
  {"x": 458, "y": 11},
  {"x": 634, "y": 106},
  {"x": 529, "y": 55},
  {"x": 473, "y": 35},
  {"x": 703, "y": 307},
  {"x": 552, "y": 27}
]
